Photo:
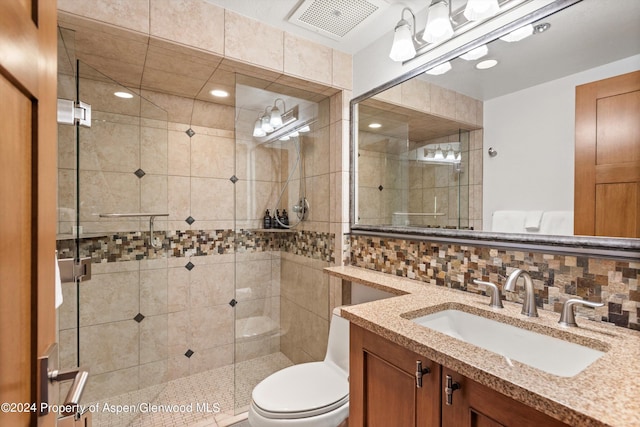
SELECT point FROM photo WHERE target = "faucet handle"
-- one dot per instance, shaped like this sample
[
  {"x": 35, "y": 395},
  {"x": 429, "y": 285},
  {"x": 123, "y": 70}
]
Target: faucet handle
[
  {"x": 567, "y": 316},
  {"x": 496, "y": 296}
]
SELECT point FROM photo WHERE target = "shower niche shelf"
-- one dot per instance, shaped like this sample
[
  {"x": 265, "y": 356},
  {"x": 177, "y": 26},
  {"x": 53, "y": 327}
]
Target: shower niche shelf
[
  {"x": 274, "y": 230},
  {"x": 69, "y": 236}
]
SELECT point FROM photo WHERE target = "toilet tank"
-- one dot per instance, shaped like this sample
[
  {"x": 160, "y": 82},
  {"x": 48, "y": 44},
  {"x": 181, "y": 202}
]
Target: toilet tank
[{"x": 338, "y": 346}]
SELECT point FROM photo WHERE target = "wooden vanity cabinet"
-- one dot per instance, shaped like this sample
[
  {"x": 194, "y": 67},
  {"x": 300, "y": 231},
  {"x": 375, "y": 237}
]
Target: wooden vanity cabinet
[
  {"x": 382, "y": 384},
  {"x": 383, "y": 392},
  {"x": 475, "y": 405}
]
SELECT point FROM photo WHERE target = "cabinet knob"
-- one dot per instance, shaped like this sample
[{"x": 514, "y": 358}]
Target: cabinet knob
[
  {"x": 420, "y": 371},
  {"x": 449, "y": 388}
]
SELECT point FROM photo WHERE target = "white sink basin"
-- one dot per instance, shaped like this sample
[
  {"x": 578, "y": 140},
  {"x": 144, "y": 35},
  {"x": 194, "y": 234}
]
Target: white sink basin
[{"x": 552, "y": 355}]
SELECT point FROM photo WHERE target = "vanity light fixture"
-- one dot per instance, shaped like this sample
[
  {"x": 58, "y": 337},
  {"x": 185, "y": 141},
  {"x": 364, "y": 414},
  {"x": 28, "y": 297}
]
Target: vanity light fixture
[
  {"x": 489, "y": 63},
  {"x": 438, "y": 28},
  {"x": 476, "y": 10},
  {"x": 442, "y": 24},
  {"x": 439, "y": 69},
  {"x": 476, "y": 53},
  {"x": 440, "y": 153},
  {"x": 273, "y": 119},
  {"x": 219, "y": 93},
  {"x": 285, "y": 134},
  {"x": 125, "y": 95}
]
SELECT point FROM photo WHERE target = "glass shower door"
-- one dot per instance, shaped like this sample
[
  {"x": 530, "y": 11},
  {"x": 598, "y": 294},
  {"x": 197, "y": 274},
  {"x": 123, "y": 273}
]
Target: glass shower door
[{"x": 112, "y": 182}]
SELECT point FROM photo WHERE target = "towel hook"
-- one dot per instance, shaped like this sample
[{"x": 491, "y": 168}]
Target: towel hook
[{"x": 492, "y": 152}]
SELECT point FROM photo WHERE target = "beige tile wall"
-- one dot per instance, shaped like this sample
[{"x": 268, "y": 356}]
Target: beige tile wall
[
  {"x": 186, "y": 309},
  {"x": 431, "y": 99},
  {"x": 188, "y": 177}
]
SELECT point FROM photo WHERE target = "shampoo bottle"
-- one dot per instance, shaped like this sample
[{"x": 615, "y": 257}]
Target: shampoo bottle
[{"x": 266, "y": 221}]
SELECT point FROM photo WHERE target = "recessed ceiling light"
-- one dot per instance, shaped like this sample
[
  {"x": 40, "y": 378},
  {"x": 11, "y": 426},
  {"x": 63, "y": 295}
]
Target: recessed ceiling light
[
  {"x": 125, "y": 95},
  {"x": 489, "y": 63},
  {"x": 375, "y": 125},
  {"x": 440, "y": 69},
  {"x": 476, "y": 53},
  {"x": 219, "y": 93}
]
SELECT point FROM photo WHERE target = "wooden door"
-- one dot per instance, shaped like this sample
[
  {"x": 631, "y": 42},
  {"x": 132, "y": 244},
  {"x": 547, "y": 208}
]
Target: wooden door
[
  {"x": 607, "y": 168},
  {"x": 382, "y": 384},
  {"x": 28, "y": 152}
]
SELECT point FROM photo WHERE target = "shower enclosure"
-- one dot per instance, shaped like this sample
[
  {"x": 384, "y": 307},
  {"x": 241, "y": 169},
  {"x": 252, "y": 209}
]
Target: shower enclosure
[
  {"x": 191, "y": 301},
  {"x": 410, "y": 171}
]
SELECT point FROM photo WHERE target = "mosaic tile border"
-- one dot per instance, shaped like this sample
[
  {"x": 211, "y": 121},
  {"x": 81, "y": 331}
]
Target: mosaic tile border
[
  {"x": 133, "y": 246},
  {"x": 556, "y": 277}
]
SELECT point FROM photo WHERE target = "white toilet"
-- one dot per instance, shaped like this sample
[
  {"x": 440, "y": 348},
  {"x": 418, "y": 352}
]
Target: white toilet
[{"x": 312, "y": 394}]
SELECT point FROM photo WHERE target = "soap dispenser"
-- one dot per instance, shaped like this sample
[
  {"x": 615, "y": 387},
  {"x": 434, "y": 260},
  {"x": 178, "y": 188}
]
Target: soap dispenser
[
  {"x": 266, "y": 221},
  {"x": 276, "y": 217}
]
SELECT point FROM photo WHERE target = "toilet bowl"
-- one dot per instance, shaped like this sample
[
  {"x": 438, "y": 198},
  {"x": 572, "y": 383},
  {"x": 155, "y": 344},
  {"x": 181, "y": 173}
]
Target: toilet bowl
[{"x": 312, "y": 394}]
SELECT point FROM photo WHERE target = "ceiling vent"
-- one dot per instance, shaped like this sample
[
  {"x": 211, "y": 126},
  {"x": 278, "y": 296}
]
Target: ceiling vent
[{"x": 335, "y": 18}]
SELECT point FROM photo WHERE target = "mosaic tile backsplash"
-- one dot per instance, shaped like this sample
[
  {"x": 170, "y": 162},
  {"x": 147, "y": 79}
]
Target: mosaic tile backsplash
[
  {"x": 556, "y": 277},
  {"x": 133, "y": 246}
]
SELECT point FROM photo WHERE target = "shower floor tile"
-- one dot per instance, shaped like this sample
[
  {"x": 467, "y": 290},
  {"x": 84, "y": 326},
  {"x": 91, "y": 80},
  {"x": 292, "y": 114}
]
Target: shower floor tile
[{"x": 205, "y": 399}]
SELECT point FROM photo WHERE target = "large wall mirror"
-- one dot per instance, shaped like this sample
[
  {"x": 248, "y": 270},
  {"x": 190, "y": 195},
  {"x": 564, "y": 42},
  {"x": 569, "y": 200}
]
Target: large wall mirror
[{"x": 476, "y": 151}]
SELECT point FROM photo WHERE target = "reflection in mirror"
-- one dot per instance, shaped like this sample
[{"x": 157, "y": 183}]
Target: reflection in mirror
[
  {"x": 415, "y": 179},
  {"x": 524, "y": 108}
]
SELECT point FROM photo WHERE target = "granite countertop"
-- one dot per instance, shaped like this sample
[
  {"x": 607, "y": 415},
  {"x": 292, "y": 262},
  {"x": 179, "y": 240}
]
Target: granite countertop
[{"x": 604, "y": 394}]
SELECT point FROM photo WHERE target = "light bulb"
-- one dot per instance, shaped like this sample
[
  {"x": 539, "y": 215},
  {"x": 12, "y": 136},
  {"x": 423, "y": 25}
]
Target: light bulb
[
  {"x": 450, "y": 155},
  {"x": 438, "y": 26},
  {"x": 439, "y": 69},
  {"x": 402, "y": 48},
  {"x": 438, "y": 155},
  {"x": 257, "y": 128},
  {"x": 266, "y": 125},
  {"x": 276, "y": 118},
  {"x": 477, "y": 10},
  {"x": 519, "y": 34}
]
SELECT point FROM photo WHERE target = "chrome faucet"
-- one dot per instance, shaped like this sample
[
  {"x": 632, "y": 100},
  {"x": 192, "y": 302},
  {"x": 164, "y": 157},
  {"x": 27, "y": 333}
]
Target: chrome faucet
[
  {"x": 567, "y": 316},
  {"x": 529, "y": 305},
  {"x": 496, "y": 296}
]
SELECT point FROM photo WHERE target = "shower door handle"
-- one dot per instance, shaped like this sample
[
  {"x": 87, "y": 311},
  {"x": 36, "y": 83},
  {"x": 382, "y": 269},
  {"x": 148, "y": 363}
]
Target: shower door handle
[
  {"x": 79, "y": 377},
  {"x": 47, "y": 375}
]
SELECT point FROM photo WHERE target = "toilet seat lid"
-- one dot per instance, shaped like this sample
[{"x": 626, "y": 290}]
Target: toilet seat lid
[{"x": 305, "y": 390}]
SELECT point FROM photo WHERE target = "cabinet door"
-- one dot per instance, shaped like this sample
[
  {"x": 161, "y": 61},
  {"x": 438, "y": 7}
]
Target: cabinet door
[
  {"x": 476, "y": 405},
  {"x": 383, "y": 389}
]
